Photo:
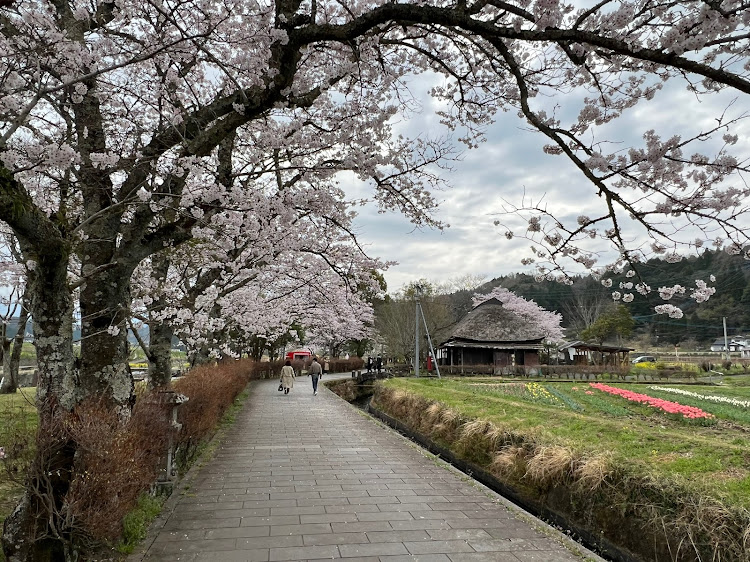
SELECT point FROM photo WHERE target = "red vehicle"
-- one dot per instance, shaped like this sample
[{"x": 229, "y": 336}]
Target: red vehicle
[{"x": 298, "y": 355}]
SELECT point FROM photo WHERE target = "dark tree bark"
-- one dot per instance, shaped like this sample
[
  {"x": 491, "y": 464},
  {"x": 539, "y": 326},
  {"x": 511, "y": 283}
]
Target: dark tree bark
[
  {"x": 7, "y": 383},
  {"x": 28, "y": 532},
  {"x": 160, "y": 353},
  {"x": 15, "y": 354},
  {"x": 159, "y": 350}
]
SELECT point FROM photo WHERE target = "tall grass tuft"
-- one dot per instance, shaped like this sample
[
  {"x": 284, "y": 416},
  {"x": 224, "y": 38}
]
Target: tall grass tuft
[
  {"x": 550, "y": 465},
  {"x": 592, "y": 472}
]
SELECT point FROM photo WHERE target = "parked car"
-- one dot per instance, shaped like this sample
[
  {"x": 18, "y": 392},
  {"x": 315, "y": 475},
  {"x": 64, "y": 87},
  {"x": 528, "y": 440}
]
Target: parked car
[{"x": 644, "y": 359}]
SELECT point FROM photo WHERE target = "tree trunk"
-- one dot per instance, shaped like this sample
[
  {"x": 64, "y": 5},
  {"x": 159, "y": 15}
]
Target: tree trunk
[
  {"x": 105, "y": 295},
  {"x": 160, "y": 333},
  {"x": 28, "y": 532},
  {"x": 104, "y": 345},
  {"x": 10, "y": 373},
  {"x": 160, "y": 353},
  {"x": 7, "y": 382}
]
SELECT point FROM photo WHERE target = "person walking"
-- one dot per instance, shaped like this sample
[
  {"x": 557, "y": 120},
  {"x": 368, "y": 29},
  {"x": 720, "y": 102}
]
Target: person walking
[
  {"x": 326, "y": 366},
  {"x": 287, "y": 376},
  {"x": 316, "y": 371}
]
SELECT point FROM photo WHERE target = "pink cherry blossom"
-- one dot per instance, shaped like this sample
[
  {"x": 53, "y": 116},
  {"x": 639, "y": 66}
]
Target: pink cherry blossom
[{"x": 548, "y": 322}]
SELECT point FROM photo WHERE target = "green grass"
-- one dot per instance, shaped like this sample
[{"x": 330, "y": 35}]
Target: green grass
[
  {"x": 18, "y": 422},
  {"x": 135, "y": 524},
  {"x": 709, "y": 456},
  {"x": 137, "y": 357},
  {"x": 28, "y": 355}
]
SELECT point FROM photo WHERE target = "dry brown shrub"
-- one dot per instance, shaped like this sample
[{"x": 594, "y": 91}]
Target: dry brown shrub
[
  {"x": 476, "y": 441},
  {"x": 409, "y": 407},
  {"x": 495, "y": 435},
  {"x": 418, "y": 415},
  {"x": 550, "y": 464},
  {"x": 704, "y": 525},
  {"x": 510, "y": 437},
  {"x": 592, "y": 472},
  {"x": 402, "y": 405},
  {"x": 473, "y": 429},
  {"x": 433, "y": 411},
  {"x": 346, "y": 390},
  {"x": 100, "y": 463},
  {"x": 510, "y": 461},
  {"x": 438, "y": 429},
  {"x": 211, "y": 390},
  {"x": 449, "y": 417},
  {"x": 397, "y": 401},
  {"x": 90, "y": 467},
  {"x": 345, "y": 365},
  {"x": 115, "y": 463},
  {"x": 482, "y": 431}
]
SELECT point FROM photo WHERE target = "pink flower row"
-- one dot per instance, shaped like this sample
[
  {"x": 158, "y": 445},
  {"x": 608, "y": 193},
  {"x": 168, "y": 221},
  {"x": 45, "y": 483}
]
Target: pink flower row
[{"x": 670, "y": 407}]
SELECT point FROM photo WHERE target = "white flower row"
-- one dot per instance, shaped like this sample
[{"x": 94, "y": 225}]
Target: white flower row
[{"x": 709, "y": 397}]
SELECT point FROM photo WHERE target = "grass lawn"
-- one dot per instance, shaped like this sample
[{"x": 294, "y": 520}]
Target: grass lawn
[
  {"x": 18, "y": 417},
  {"x": 708, "y": 454}
]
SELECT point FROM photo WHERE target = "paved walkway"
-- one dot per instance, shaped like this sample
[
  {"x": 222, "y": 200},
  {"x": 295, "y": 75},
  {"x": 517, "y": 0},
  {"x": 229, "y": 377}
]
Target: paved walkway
[{"x": 303, "y": 477}]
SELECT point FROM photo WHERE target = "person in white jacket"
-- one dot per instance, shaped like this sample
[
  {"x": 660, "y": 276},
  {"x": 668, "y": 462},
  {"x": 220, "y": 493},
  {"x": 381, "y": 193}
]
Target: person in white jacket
[{"x": 287, "y": 376}]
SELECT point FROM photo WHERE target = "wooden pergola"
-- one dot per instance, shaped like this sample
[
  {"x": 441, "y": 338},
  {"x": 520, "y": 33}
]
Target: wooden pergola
[{"x": 585, "y": 353}]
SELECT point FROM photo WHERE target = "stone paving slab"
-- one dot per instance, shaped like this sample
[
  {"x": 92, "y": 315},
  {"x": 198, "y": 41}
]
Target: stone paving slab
[{"x": 303, "y": 477}]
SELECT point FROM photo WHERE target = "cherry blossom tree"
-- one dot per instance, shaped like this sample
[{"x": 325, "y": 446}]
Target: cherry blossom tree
[
  {"x": 117, "y": 118},
  {"x": 339, "y": 318},
  {"x": 547, "y": 322},
  {"x": 294, "y": 250}
]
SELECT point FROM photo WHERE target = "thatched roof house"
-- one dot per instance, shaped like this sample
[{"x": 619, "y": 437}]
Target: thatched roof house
[{"x": 491, "y": 335}]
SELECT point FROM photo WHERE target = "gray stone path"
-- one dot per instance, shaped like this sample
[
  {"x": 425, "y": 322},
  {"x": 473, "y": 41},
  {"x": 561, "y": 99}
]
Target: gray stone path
[{"x": 303, "y": 477}]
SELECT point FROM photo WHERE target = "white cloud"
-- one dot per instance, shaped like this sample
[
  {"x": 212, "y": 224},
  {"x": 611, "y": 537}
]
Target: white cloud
[{"x": 507, "y": 167}]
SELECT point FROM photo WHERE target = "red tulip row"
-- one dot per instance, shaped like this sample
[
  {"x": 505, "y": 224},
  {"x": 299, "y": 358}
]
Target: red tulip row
[{"x": 689, "y": 412}]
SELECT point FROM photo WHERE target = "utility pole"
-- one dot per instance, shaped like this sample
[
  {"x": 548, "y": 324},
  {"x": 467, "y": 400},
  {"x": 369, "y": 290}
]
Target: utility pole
[
  {"x": 420, "y": 313},
  {"x": 417, "y": 293},
  {"x": 726, "y": 341},
  {"x": 429, "y": 341}
]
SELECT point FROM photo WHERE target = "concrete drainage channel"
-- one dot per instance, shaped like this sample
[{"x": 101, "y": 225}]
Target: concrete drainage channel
[{"x": 597, "y": 544}]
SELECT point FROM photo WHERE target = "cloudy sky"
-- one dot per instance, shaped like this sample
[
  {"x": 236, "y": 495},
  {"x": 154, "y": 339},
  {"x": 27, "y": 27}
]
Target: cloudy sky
[{"x": 508, "y": 166}]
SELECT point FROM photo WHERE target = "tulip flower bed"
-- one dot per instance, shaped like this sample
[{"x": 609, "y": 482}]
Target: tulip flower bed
[
  {"x": 532, "y": 391},
  {"x": 710, "y": 397},
  {"x": 687, "y": 412},
  {"x": 672, "y": 463}
]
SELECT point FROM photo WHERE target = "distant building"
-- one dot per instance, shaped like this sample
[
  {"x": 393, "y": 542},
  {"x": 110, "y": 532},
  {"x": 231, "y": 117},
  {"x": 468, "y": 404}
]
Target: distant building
[
  {"x": 298, "y": 355},
  {"x": 492, "y": 335},
  {"x": 735, "y": 343}
]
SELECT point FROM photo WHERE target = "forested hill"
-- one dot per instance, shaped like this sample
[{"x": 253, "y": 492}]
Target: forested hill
[{"x": 581, "y": 301}]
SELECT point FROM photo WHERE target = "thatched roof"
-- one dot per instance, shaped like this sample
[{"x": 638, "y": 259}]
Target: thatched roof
[{"x": 491, "y": 322}]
